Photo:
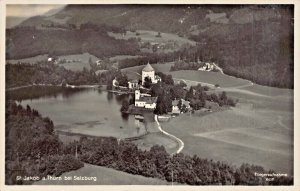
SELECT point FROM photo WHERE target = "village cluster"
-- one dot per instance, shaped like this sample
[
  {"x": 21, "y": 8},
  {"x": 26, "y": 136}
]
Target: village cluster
[{"x": 144, "y": 100}]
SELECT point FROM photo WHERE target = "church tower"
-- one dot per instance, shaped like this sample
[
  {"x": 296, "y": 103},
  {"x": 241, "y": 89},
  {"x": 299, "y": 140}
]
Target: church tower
[{"x": 148, "y": 71}]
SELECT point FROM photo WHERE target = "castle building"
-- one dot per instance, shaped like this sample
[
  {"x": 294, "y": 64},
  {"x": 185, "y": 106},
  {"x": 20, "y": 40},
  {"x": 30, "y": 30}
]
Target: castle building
[{"x": 149, "y": 72}]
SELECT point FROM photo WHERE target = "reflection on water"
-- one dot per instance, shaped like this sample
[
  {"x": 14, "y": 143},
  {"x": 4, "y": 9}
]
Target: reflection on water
[
  {"x": 125, "y": 116},
  {"x": 35, "y": 92},
  {"x": 110, "y": 96},
  {"x": 84, "y": 111}
]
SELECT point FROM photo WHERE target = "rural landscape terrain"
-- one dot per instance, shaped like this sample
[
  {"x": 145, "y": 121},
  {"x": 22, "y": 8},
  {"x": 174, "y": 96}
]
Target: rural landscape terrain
[{"x": 151, "y": 95}]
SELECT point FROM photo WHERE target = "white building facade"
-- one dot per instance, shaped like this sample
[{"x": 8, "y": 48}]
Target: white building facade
[
  {"x": 147, "y": 102},
  {"x": 149, "y": 72}
]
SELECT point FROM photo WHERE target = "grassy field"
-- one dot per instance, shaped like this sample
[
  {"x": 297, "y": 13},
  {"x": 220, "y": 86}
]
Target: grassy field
[
  {"x": 194, "y": 77},
  {"x": 157, "y": 67},
  {"x": 166, "y": 43},
  {"x": 157, "y": 139},
  {"x": 102, "y": 128},
  {"x": 270, "y": 91},
  {"x": 150, "y": 36},
  {"x": 79, "y": 61},
  {"x": 258, "y": 131},
  {"x": 104, "y": 176},
  {"x": 31, "y": 60},
  {"x": 210, "y": 78}
]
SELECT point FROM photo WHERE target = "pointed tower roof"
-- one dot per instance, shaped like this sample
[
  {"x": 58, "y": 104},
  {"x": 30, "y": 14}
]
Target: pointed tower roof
[{"x": 148, "y": 68}]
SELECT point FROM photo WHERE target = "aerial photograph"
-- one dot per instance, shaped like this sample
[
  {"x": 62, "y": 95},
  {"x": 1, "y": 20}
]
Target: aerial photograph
[{"x": 149, "y": 94}]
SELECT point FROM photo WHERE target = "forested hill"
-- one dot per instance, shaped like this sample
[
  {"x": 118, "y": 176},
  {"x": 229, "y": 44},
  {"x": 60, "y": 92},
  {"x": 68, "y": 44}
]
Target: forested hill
[
  {"x": 25, "y": 42},
  {"x": 249, "y": 41},
  {"x": 188, "y": 19}
]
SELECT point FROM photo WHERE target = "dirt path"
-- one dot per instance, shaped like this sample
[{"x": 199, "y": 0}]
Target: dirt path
[{"x": 180, "y": 142}]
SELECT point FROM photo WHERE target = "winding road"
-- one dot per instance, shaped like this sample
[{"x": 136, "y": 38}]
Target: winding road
[{"x": 180, "y": 142}]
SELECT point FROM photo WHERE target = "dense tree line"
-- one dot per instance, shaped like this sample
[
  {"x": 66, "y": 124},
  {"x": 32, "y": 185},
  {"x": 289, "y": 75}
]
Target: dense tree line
[
  {"x": 24, "y": 42},
  {"x": 31, "y": 146},
  {"x": 34, "y": 92},
  {"x": 191, "y": 65},
  {"x": 193, "y": 170},
  {"x": 197, "y": 96},
  {"x": 182, "y": 65},
  {"x": 260, "y": 51},
  {"x": 166, "y": 91},
  {"x": 49, "y": 73}
]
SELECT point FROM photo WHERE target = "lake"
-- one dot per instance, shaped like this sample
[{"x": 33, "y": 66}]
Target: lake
[{"x": 84, "y": 111}]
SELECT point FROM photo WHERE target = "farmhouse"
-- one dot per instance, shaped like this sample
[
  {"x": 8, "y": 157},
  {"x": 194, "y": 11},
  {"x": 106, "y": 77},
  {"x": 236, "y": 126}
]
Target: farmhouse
[
  {"x": 133, "y": 84},
  {"x": 99, "y": 62},
  {"x": 175, "y": 106},
  {"x": 149, "y": 72},
  {"x": 144, "y": 101},
  {"x": 207, "y": 67},
  {"x": 115, "y": 83}
]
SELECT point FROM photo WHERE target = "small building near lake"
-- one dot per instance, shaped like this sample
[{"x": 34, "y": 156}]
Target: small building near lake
[
  {"x": 207, "y": 67},
  {"x": 144, "y": 101},
  {"x": 176, "y": 108},
  {"x": 133, "y": 84},
  {"x": 115, "y": 83}
]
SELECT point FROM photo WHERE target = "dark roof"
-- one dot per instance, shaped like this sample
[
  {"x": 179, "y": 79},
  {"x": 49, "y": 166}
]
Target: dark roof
[
  {"x": 175, "y": 102},
  {"x": 134, "y": 81},
  {"x": 148, "y": 68},
  {"x": 183, "y": 102},
  {"x": 148, "y": 100}
]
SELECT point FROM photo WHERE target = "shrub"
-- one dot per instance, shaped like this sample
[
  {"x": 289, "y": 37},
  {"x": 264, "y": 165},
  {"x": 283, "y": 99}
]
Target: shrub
[{"x": 67, "y": 163}]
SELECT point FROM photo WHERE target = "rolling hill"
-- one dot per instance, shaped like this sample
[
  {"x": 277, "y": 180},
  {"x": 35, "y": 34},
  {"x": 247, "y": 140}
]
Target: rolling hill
[{"x": 249, "y": 41}]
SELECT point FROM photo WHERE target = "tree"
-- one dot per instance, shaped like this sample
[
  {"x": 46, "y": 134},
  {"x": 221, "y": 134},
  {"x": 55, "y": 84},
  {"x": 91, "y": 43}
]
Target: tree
[
  {"x": 182, "y": 84},
  {"x": 147, "y": 82},
  {"x": 179, "y": 105},
  {"x": 177, "y": 92},
  {"x": 169, "y": 80},
  {"x": 230, "y": 102},
  {"x": 122, "y": 79},
  {"x": 125, "y": 106},
  {"x": 158, "y": 34},
  {"x": 190, "y": 94},
  {"x": 90, "y": 61}
]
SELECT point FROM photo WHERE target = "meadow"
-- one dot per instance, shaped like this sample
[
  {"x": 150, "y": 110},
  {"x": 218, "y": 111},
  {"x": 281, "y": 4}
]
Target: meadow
[
  {"x": 257, "y": 131},
  {"x": 30, "y": 60},
  {"x": 77, "y": 61},
  {"x": 193, "y": 77},
  {"x": 105, "y": 176},
  {"x": 212, "y": 78},
  {"x": 150, "y": 36}
]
